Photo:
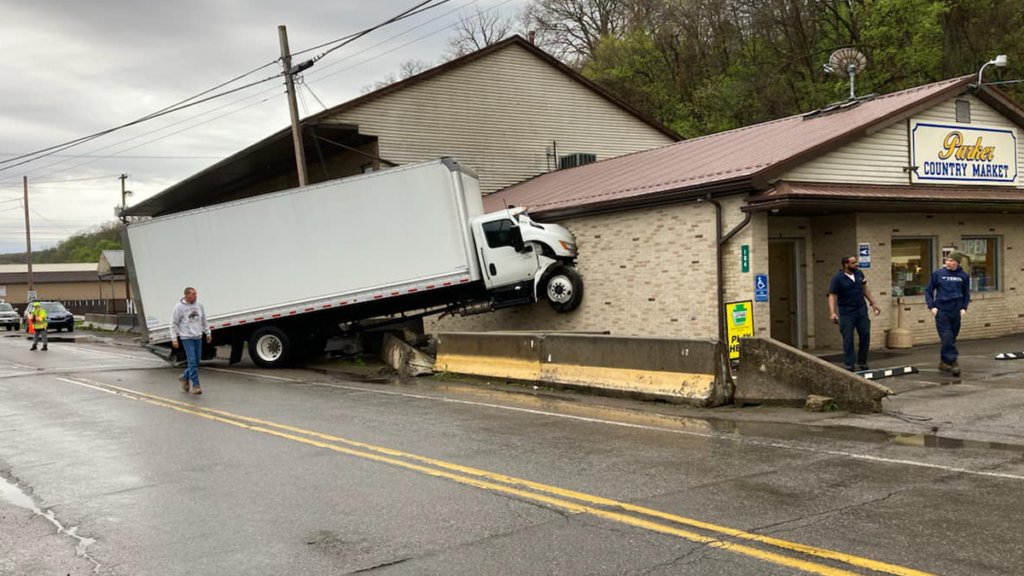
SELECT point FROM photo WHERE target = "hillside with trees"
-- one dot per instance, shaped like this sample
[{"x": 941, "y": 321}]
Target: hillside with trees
[
  {"x": 81, "y": 247},
  {"x": 703, "y": 66}
]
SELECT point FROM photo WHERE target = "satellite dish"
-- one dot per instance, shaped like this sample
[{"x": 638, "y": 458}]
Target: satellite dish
[{"x": 846, "y": 63}]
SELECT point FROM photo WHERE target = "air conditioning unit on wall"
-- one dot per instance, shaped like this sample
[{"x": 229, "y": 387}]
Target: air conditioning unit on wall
[{"x": 577, "y": 159}]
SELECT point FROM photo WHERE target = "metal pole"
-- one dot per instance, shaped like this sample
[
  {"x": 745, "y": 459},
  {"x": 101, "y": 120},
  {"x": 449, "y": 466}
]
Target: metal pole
[
  {"x": 293, "y": 109},
  {"x": 28, "y": 238},
  {"x": 124, "y": 222}
]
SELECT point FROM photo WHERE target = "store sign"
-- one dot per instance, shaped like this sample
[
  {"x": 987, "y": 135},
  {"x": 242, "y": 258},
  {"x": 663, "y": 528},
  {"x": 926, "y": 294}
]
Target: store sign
[
  {"x": 745, "y": 258},
  {"x": 740, "y": 323},
  {"x": 962, "y": 154}
]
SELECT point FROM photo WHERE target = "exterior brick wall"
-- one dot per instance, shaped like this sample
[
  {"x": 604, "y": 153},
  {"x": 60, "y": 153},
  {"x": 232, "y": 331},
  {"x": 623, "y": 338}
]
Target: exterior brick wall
[{"x": 647, "y": 272}]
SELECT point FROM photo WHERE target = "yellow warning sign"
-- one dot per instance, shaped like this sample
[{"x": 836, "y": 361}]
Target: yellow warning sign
[{"x": 740, "y": 323}]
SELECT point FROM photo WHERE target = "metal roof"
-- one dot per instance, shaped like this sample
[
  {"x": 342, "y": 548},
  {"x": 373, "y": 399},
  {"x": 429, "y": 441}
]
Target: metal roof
[
  {"x": 740, "y": 160},
  {"x": 36, "y": 268}
]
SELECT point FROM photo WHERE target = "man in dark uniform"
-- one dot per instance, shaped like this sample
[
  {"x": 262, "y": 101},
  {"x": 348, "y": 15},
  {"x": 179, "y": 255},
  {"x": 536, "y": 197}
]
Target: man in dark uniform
[
  {"x": 948, "y": 293},
  {"x": 848, "y": 289}
]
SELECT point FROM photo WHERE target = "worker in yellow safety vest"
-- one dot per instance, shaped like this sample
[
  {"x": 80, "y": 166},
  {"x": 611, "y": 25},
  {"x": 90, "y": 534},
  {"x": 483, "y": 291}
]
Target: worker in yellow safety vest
[{"x": 38, "y": 319}]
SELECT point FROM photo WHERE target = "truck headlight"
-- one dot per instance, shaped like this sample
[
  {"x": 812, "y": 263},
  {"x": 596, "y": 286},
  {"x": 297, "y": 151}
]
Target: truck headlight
[{"x": 568, "y": 246}]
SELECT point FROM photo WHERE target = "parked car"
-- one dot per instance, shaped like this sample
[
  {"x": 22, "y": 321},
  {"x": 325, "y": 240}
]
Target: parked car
[
  {"x": 57, "y": 316},
  {"x": 9, "y": 317}
]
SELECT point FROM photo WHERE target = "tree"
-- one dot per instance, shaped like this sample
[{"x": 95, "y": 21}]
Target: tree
[
  {"x": 406, "y": 69},
  {"x": 476, "y": 31}
]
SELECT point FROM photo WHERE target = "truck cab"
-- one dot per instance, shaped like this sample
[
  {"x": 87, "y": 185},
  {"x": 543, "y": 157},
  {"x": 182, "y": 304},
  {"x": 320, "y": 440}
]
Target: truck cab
[{"x": 520, "y": 258}]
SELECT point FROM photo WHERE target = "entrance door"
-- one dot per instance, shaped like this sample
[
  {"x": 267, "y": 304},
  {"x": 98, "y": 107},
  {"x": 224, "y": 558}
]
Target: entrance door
[{"x": 783, "y": 268}]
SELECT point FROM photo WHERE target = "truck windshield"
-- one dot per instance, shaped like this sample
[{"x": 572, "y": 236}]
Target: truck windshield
[{"x": 6, "y": 308}]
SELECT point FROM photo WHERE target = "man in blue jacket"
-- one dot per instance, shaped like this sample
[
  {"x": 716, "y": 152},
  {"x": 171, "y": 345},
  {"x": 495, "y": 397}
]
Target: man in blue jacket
[
  {"x": 948, "y": 293},
  {"x": 848, "y": 290}
]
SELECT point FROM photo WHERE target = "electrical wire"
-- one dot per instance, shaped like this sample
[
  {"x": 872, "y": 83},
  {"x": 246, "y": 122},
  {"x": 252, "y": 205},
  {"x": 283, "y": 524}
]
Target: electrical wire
[
  {"x": 313, "y": 94},
  {"x": 33, "y": 210},
  {"x": 386, "y": 52},
  {"x": 347, "y": 39}
]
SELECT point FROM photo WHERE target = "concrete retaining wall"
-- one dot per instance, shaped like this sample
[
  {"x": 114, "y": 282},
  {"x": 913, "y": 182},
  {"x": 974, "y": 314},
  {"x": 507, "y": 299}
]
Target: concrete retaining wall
[
  {"x": 683, "y": 371},
  {"x": 774, "y": 373},
  {"x": 101, "y": 321}
]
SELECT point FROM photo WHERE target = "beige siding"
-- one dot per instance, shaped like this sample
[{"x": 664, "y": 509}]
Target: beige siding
[
  {"x": 881, "y": 157},
  {"x": 498, "y": 114}
]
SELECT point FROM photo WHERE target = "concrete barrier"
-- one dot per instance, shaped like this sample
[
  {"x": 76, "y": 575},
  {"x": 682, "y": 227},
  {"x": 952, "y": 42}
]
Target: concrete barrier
[
  {"x": 127, "y": 322},
  {"x": 774, "y": 373},
  {"x": 405, "y": 359},
  {"x": 101, "y": 321},
  {"x": 499, "y": 355},
  {"x": 691, "y": 372}
]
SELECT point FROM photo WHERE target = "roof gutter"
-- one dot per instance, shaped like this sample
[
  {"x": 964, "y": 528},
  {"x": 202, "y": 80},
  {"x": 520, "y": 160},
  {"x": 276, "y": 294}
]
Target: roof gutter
[{"x": 720, "y": 240}]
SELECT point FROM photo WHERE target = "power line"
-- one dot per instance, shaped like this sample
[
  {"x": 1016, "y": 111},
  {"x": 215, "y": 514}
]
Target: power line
[
  {"x": 115, "y": 154},
  {"x": 124, "y": 157},
  {"x": 313, "y": 94},
  {"x": 39, "y": 154}
]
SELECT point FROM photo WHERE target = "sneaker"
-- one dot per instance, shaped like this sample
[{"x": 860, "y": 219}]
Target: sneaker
[
  {"x": 197, "y": 390},
  {"x": 943, "y": 367},
  {"x": 184, "y": 383},
  {"x": 32, "y": 349},
  {"x": 864, "y": 367}
]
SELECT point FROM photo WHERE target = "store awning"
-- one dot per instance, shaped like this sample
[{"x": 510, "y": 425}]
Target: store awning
[{"x": 808, "y": 199}]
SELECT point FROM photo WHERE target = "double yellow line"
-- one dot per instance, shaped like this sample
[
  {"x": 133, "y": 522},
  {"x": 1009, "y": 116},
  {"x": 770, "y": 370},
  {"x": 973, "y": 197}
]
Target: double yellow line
[{"x": 569, "y": 500}]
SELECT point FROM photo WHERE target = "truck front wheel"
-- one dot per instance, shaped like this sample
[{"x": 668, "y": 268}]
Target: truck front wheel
[
  {"x": 563, "y": 288},
  {"x": 270, "y": 347}
]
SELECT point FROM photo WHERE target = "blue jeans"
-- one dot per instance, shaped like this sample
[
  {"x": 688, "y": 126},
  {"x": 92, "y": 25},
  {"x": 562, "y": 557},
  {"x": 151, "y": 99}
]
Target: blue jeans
[
  {"x": 193, "y": 349},
  {"x": 847, "y": 324},
  {"x": 947, "y": 322}
]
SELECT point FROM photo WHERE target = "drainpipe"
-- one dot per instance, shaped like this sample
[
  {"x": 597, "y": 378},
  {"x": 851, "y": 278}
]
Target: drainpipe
[{"x": 720, "y": 241}]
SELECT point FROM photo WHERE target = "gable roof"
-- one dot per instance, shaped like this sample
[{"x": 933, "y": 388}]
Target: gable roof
[
  {"x": 279, "y": 144},
  {"x": 744, "y": 159}
]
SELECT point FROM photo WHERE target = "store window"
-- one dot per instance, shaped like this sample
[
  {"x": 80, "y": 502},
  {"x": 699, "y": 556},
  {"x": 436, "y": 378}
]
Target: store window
[
  {"x": 982, "y": 263},
  {"x": 912, "y": 265}
]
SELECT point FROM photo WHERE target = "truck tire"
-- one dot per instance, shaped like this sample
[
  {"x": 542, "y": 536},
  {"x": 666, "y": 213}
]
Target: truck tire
[
  {"x": 270, "y": 347},
  {"x": 563, "y": 287}
]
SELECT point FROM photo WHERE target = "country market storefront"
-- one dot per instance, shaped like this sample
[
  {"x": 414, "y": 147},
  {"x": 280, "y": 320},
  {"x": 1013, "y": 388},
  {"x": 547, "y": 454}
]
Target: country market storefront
[{"x": 673, "y": 239}]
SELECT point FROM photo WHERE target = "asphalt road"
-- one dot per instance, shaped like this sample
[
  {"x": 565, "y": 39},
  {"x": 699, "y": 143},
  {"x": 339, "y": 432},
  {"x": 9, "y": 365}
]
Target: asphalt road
[{"x": 106, "y": 467}]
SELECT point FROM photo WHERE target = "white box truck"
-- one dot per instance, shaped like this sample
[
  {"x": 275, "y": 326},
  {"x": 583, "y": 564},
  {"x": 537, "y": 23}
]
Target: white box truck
[{"x": 285, "y": 271}]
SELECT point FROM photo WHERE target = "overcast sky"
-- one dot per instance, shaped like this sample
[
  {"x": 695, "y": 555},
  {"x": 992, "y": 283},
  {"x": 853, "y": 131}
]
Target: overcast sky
[{"x": 71, "y": 68}]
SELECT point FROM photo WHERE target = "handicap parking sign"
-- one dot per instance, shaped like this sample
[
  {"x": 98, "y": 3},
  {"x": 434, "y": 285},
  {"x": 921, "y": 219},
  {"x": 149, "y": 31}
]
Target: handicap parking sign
[{"x": 761, "y": 288}]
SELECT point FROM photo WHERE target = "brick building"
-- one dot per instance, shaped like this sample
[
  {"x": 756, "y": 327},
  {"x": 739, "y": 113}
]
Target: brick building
[{"x": 900, "y": 179}]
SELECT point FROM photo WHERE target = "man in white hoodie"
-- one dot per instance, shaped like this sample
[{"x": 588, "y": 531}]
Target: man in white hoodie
[{"x": 188, "y": 323}]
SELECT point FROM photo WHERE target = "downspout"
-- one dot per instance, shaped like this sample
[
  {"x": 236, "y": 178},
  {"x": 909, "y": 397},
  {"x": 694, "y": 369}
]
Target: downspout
[{"x": 720, "y": 241}]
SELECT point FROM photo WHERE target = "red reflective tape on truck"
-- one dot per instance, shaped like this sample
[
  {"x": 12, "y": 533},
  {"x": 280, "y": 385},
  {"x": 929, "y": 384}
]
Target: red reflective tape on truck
[
  {"x": 327, "y": 305},
  {"x": 378, "y": 296},
  {"x": 447, "y": 284},
  {"x": 464, "y": 280},
  {"x": 257, "y": 319},
  {"x": 310, "y": 309},
  {"x": 225, "y": 325},
  {"x": 241, "y": 321},
  {"x": 395, "y": 293},
  {"x": 411, "y": 290},
  {"x": 275, "y": 315},
  {"x": 342, "y": 303},
  {"x": 431, "y": 287},
  {"x": 292, "y": 312}
]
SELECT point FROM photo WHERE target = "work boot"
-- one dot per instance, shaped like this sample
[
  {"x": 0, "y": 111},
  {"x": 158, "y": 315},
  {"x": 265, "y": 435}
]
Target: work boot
[
  {"x": 197, "y": 390},
  {"x": 32, "y": 349},
  {"x": 943, "y": 367},
  {"x": 955, "y": 368},
  {"x": 45, "y": 348},
  {"x": 848, "y": 368},
  {"x": 864, "y": 367},
  {"x": 184, "y": 383}
]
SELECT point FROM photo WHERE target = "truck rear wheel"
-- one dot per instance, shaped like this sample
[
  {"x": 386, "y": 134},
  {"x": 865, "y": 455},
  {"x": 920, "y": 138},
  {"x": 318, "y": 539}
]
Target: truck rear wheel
[
  {"x": 563, "y": 287},
  {"x": 270, "y": 347}
]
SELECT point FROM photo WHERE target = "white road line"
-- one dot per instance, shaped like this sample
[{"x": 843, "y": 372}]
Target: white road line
[{"x": 744, "y": 439}]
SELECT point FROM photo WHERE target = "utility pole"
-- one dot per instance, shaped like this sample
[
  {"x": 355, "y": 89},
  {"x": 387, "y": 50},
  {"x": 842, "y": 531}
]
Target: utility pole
[
  {"x": 28, "y": 239},
  {"x": 124, "y": 221},
  {"x": 289, "y": 76}
]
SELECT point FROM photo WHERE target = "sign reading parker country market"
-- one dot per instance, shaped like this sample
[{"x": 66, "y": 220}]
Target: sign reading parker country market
[{"x": 962, "y": 154}]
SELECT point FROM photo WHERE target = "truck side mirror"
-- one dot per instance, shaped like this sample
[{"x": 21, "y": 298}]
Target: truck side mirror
[{"x": 517, "y": 240}]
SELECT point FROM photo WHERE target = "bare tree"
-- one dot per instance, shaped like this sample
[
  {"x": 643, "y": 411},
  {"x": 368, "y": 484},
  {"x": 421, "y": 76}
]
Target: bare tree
[
  {"x": 406, "y": 69},
  {"x": 572, "y": 29},
  {"x": 477, "y": 30}
]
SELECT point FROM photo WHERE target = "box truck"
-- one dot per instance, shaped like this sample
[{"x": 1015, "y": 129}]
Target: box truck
[{"x": 283, "y": 272}]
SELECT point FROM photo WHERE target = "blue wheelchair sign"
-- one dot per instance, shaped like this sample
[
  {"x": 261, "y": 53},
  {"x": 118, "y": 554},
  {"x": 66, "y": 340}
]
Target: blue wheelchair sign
[{"x": 761, "y": 288}]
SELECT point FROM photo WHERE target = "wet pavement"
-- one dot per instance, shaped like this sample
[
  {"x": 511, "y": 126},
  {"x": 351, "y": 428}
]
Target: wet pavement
[{"x": 107, "y": 467}]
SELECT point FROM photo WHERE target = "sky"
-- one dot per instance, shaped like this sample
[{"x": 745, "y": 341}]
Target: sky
[{"x": 72, "y": 68}]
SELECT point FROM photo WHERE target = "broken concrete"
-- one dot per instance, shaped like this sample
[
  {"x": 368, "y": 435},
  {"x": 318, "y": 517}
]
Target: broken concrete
[
  {"x": 405, "y": 359},
  {"x": 774, "y": 373},
  {"x": 816, "y": 403}
]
